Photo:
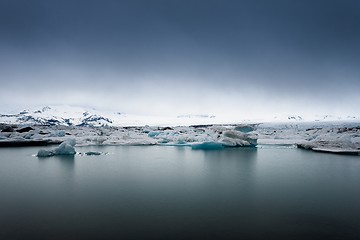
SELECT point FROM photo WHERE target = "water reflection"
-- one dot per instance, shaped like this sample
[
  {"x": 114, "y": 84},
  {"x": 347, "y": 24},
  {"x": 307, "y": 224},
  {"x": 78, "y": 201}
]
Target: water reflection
[
  {"x": 61, "y": 167},
  {"x": 232, "y": 173},
  {"x": 223, "y": 163},
  {"x": 169, "y": 192},
  {"x": 67, "y": 161}
]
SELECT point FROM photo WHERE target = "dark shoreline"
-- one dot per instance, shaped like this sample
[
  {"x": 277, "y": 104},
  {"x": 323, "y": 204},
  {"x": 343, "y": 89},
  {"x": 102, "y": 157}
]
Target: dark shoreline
[{"x": 31, "y": 143}]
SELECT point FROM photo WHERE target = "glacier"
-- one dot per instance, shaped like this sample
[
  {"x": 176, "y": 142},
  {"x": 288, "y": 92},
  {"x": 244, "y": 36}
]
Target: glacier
[
  {"x": 326, "y": 137},
  {"x": 219, "y": 135},
  {"x": 55, "y": 125}
]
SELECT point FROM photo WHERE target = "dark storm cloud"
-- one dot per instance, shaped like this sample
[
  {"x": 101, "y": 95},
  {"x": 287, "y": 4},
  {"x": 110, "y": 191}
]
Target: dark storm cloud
[{"x": 271, "y": 50}]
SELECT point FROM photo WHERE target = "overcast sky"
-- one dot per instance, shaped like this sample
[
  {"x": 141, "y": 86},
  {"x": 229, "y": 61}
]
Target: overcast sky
[{"x": 236, "y": 58}]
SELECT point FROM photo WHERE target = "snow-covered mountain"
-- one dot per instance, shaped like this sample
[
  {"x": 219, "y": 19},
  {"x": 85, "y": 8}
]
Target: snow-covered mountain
[
  {"x": 80, "y": 116},
  {"x": 58, "y": 115}
]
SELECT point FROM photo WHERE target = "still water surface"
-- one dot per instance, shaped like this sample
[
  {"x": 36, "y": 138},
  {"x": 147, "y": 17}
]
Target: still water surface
[{"x": 174, "y": 192}]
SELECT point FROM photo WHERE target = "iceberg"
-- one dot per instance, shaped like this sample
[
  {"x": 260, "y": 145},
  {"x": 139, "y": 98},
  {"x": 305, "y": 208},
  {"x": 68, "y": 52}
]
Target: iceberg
[
  {"x": 44, "y": 153},
  {"x": 65, "y": 148},
  {"x": 153, "y": 134},
  {"x": 92, "y": 153},
  {"x": 234, "y": 138}
]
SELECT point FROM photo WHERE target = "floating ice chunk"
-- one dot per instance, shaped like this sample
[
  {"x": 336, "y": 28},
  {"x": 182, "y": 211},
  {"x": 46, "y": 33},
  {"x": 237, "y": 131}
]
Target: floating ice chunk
[
  {"x": 45, "y": 153},
  {"x": 153, "y": 134},
  {"x": 93, "y": 153},
  {"x": 234, "y": 134},
  {"x": 333, "y": 140},
  {"x": 235, "y": 138},
  {"x": 338, "y": 151},
  {"x": 229, "y": 142},
  {"x": 207, "y": 146},
  {"x": 65, "y": 148}
]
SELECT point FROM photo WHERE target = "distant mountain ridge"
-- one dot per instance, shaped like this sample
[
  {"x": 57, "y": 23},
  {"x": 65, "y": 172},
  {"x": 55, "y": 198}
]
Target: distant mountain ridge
[
  {"x": 80, "y": 116},
  {"x": 67, "y": 116},
  {"x": 196, "y": 116}
]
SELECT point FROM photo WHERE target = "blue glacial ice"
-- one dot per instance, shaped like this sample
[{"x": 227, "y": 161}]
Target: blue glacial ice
[
  {"x": 153, "y": 134},
  {"x": 65, "y": 148}
]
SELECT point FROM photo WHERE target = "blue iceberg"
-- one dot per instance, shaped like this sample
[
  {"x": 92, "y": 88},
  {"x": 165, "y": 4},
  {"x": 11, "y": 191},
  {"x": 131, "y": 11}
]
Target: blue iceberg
[{"x": 207, "y": 146}]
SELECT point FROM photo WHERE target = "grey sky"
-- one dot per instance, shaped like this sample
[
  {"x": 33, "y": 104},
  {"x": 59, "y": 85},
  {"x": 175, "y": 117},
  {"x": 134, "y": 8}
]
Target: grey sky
[{"x": 236, "y": 58}]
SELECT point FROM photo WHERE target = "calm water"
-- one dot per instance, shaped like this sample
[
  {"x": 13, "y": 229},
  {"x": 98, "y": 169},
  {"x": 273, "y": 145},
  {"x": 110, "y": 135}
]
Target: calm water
[{"x": 169, "y": 192}]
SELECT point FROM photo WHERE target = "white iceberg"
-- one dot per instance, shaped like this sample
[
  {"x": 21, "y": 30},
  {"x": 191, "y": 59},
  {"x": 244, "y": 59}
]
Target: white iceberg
[{"x": 234, "y": 138}]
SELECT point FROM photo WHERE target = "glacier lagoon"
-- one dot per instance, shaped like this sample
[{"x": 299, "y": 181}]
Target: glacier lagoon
[{"x": 158, "y": 192}]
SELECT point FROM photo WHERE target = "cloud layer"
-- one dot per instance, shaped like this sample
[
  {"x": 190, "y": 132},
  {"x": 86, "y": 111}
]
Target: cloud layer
[{"x": 232, "y": 58}]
